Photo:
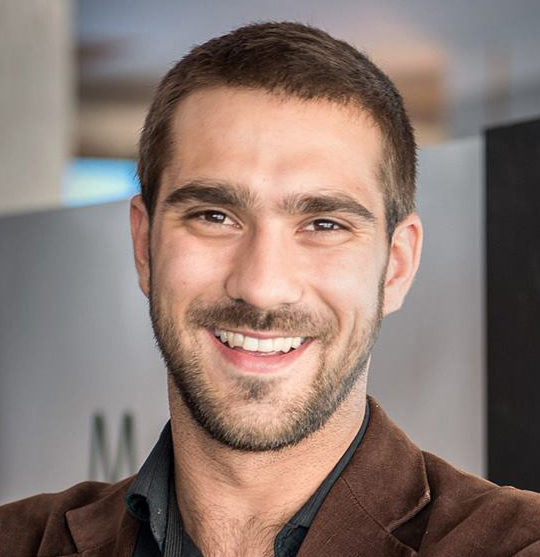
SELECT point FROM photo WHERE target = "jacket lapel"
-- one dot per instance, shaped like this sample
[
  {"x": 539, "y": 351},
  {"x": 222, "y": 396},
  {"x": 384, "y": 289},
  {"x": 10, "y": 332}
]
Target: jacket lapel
[
  {"x": 105, "y": 527},
  {"x": 384, "y": 485}
]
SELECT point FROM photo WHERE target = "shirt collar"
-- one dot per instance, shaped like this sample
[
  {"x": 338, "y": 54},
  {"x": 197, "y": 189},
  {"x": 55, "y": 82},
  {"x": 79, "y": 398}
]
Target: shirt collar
[
  {"x": 148, "y": 497},
  {"x": 304, "y": 517}
]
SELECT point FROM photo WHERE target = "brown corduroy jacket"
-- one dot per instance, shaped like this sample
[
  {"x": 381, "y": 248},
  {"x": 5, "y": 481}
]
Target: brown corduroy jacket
[{"x": 391, "y": 500}]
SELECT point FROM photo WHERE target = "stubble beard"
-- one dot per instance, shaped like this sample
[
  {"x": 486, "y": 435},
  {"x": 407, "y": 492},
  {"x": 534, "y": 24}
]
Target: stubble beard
[{"x": 300, "y": 417}]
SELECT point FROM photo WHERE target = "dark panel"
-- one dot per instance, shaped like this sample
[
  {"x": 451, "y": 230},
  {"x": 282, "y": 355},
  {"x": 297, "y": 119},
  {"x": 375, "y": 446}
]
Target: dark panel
[{"x": 513, "y": 304}]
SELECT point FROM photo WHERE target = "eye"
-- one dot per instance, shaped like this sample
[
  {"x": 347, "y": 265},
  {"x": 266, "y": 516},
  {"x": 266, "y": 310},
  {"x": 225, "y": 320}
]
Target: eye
[
  {"x": 324, "y": 225},
  {"x": 212, "y": 216}
]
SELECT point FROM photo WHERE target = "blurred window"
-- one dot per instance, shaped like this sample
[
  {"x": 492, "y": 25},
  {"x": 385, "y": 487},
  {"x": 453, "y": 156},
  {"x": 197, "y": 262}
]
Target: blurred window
[{"x": 88, "y": 181}]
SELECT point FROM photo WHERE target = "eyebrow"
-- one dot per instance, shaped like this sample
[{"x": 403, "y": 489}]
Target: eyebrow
[
  {"x": 240, "y": 197},
  {"x": 336, "y": 202},
  {"x": 214, "y": 193}
]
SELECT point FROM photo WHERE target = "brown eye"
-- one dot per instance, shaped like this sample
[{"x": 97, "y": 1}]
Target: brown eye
[
  {"x": 324, "y": 225},
  {"x": 211, "y": 216},
  {"x": 214, "y": 216}
]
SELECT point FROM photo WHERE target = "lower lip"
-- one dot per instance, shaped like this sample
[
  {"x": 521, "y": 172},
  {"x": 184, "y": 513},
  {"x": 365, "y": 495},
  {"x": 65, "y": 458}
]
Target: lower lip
[{"x": 253, "y": 363}]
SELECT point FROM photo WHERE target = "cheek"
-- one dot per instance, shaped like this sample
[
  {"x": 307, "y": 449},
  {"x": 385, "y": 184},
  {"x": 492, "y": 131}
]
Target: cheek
[
  {"x": 184, "y": 269},
  {"x": 348, "y": 283}
]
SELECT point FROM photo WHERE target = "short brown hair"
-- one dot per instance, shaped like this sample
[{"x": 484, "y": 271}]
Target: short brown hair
[{"x": 291, "y": 59}]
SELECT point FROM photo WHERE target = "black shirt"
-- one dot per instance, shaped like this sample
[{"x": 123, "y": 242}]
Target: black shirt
[{"x": 152, "y": 500}]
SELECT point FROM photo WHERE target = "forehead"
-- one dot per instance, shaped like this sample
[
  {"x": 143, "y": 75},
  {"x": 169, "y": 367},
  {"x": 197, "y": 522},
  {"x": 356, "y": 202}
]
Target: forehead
[{"x": 273, "y": 144}]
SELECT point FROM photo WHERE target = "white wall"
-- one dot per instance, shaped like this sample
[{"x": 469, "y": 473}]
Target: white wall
[
  {"x": 75, "y": 337},
  {"x": 36, "y": 102},
  {"x": 428, "y": 368}
]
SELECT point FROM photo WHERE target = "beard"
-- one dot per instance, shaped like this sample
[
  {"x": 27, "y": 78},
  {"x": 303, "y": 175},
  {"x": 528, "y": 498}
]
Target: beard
[{"x": 234, "y": 419}]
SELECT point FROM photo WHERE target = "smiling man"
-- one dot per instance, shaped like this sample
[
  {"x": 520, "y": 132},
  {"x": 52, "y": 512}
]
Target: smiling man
[{"x": 275, "y": 230}]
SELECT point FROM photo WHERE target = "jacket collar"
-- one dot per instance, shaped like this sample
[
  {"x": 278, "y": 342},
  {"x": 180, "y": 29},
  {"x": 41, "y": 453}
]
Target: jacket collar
[
  {"x": 105, "y": 525},
  {"x": 384, "y": 486}
]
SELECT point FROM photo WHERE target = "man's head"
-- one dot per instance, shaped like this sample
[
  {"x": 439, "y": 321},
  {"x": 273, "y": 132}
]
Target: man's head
[
  {"x": 295, "y": 61},
  {"x": 276, "y": 210}
]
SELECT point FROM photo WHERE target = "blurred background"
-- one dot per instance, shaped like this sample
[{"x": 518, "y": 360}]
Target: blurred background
[
  {"x": 82, "y": 389},
  {"x": 79, "y": 75}
]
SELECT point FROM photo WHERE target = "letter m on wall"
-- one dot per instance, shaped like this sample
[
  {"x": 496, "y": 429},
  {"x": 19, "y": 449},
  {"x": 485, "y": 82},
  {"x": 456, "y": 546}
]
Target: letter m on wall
[{"x": 101, "y": 460}]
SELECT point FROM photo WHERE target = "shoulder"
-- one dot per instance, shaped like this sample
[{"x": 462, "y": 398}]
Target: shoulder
[
  {"x": 433, "y": 507},
  {"x": 29, "y": 526},
  {"x": 469, "y": 511},
  {"x": 452, "y": 485}
]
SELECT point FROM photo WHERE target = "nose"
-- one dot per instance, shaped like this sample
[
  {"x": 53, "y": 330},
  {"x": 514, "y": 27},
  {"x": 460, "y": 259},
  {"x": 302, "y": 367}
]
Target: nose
[{"x": 263, "y": 273}]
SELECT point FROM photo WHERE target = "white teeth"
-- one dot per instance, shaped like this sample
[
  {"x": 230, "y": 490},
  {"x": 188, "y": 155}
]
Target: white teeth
[
  {"x": 265, "y": 345},
  {"x": 277, "y": 344},
  {"x": 287, "y": 343},
  {"x": 237, "y": 340},
  {"x": 251, "y": 344},
  {"x": 296, "y": 342}
]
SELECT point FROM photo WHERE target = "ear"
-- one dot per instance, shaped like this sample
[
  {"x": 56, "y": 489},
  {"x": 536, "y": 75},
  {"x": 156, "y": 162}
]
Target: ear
[
  {"x": 403, "y": 261},
  {"x": 140, "y": 236}
]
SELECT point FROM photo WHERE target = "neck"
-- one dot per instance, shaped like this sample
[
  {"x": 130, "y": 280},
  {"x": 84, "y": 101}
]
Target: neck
[{"x": 233, "y": 493}]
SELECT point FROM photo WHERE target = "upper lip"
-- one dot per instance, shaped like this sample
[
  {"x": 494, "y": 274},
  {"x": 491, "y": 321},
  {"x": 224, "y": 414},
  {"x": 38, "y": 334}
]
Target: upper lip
[{"x": 259, "y": 335}]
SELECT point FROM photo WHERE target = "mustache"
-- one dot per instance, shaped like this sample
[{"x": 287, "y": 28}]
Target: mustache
[{"x": 241, "y": 315}]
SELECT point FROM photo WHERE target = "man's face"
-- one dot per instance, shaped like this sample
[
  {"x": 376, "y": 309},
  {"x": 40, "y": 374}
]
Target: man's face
[{"x": 269, "y": 231}]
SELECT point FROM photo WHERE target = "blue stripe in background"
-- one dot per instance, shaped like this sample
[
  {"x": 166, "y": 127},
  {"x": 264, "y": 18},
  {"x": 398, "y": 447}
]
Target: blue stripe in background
[{"x": 88, "y": 181}]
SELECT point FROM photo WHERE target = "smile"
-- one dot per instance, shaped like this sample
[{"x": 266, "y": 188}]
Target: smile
[
  {"x": 254, "y": 344},
  {"x": 255, "y": 354}
]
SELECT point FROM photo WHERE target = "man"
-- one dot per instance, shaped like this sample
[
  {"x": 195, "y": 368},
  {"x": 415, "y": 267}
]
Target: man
[{"x": 276, "y": 228}]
